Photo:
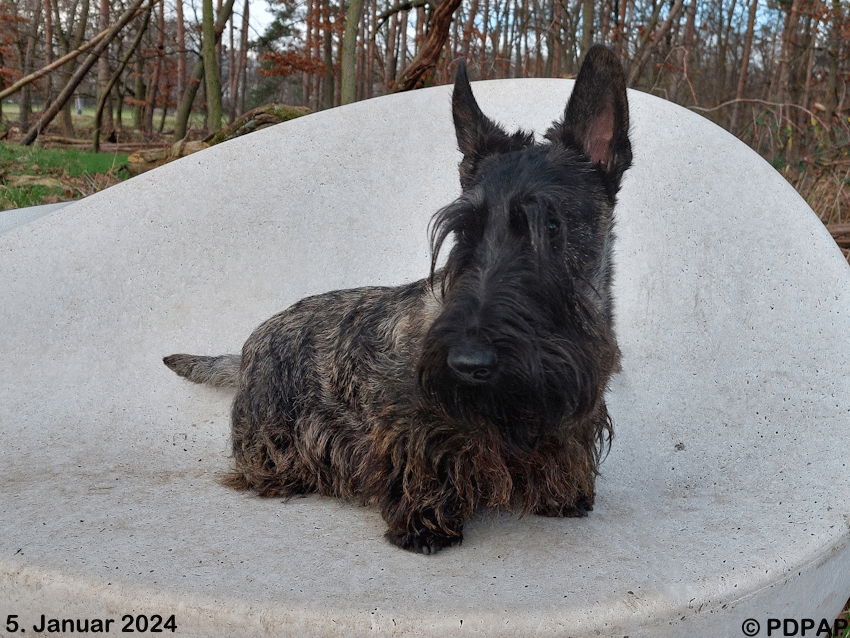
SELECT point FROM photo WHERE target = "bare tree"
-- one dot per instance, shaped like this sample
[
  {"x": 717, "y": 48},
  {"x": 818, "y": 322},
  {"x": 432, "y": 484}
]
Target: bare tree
[
  {"x": 348, "y": 75},
  {"x": 425, "y": 61},
  {"x": 103, "y": 74},
  {"x": 745, "y": 65},
  {"x": 114, "y": 79},
  {"x": 211, "y": 81},
  {"x": 153, "y": 85},
  {"x": 181, "y": 47},
  {"x": 198, "y": 74},
  {"x": 79, "y": 75}
]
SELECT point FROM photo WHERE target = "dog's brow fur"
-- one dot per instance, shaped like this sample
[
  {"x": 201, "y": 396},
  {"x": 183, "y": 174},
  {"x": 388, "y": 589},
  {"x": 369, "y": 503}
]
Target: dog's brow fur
[{"x": 481, "y": 386}]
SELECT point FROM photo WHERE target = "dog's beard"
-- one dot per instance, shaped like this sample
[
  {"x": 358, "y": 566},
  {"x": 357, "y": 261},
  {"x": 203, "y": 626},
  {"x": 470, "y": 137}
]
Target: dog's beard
[{"x": 539, "y": 384}]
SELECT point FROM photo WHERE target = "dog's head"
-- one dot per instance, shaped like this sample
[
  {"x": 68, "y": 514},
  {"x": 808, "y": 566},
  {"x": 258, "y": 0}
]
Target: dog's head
[{"x": 525, "y": 336}]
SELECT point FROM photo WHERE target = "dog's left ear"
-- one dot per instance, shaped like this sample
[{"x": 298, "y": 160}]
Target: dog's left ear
[
  {"x": 596, "y": 120},
  {"x": 478, "y": 137}
]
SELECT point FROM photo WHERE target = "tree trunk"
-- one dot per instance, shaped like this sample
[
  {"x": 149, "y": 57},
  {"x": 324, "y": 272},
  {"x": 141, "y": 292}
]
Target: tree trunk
[
  {"x": 153, "y": 85},
  {"x": 789, "y": 37},
  {"x": 348, "y": 75},
  {"x": 106, "y": 124},
  {"x": 184, "y": 110},
  {"x": 402, "y": 52},
  {"x": 139, "y": 106},
  {"x": 166, "y": 92},
  {"x": 26, "y": 55},
  {"x": 68, "y": 75},
  {"x": 327, "y": 57},
  {"x": 232, "y": 74},
  {"x": 745, "y": 65},
  {"x": 467, "y": 30},
  {"x": 211, "y": 81},
  {"x": 181, "y": 48},
  {"x": 198, "y": 74},
  {"x": 421, "y": 69},
  {"x": 371, "y": 51},
  {"x": 683, "y": 53},
  {"x": 243, "y": 59},
  {"x": 316, "y": 80},
  {"x": 832, "y": 56},
  {"x": 483, "y": 64},
  {"x": 48, "y": 44},
  {"x": 586, "y": 26},
  {"x": 621, "y": 29},
  {"x": 651, "y": 40},
  {"x": 605, "y": 24}
]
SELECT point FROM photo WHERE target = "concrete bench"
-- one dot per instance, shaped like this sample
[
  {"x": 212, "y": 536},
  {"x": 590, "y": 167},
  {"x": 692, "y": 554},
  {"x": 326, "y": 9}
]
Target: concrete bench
[{"x": 725, "y": 498}]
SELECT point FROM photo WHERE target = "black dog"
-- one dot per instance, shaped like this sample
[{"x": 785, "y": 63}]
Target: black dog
[{"x": 481, "y": 386}]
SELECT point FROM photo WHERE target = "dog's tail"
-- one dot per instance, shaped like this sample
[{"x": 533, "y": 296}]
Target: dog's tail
[{"x": 221, "y": 372}]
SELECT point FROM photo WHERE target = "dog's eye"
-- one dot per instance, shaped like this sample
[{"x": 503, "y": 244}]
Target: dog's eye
[
  {"x": 553, "y": 226},
  {"x": 465, "y": 234}
]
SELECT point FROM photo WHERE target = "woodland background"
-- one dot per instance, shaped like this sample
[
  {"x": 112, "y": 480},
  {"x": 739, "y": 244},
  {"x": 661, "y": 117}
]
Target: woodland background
[{"x": 773, "y": 72}]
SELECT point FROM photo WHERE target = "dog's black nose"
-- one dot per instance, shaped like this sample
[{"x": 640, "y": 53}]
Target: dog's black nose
[{"x": 473, "y": 364}]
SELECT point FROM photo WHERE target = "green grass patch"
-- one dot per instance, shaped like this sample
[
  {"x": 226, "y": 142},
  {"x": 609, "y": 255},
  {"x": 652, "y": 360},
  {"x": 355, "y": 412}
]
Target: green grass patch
[
  {"x": 30, "y": 175},
  {"x": 23, "y": 196},
  {"x": 21, "y": 160}
]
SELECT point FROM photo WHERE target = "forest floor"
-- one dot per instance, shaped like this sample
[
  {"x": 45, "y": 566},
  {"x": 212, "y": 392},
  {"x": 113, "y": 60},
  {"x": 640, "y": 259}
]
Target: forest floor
[{"x": 59, "y": 168}]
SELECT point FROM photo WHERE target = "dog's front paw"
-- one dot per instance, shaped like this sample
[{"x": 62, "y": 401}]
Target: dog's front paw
[{"x": 425, "y": 541}]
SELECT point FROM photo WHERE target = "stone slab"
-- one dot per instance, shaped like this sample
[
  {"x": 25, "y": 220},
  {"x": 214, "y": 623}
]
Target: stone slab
[{"x": 726, "y": 495}]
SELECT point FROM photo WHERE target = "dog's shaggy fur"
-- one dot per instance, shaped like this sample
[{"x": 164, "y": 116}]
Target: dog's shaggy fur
[{"x": 481, "y": 386}]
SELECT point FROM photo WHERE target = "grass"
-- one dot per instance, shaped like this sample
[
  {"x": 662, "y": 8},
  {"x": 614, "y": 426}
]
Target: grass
[
  {"x": 846, "y": 616},
  {"x": 813, "y": 158},
  {"x": 30, "y": 175}
]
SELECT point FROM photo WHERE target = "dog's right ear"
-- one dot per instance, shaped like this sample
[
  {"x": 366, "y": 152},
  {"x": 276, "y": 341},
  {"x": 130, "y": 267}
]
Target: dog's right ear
[
  {"x": 478, "y": 137},
  {"x": 596, "y": 120}
]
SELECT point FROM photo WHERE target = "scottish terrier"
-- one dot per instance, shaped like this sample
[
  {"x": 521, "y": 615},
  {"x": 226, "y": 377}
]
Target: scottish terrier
[{"x": 479, "y": 387}]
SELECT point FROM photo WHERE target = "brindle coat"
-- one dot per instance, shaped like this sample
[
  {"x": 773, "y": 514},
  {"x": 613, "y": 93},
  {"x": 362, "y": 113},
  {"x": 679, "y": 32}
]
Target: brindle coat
[{"x": 481, "y": 386}]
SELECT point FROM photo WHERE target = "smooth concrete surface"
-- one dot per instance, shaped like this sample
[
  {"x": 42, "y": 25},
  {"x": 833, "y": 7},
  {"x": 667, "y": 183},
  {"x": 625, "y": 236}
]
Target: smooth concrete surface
[
  {"x": 726, "y": 495},
  {"x": 15, "y": 217}
]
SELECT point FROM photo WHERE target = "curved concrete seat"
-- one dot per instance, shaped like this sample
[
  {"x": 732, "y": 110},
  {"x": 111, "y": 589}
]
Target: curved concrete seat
[
  {"x": 15, "y": 217},
  {"x": 725, "y": 497}
]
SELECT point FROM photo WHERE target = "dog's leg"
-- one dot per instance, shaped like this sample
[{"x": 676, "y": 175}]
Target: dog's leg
[
  {"x": 422, "y": 530},
  {"x": 419, "y": 501},
  {"x": 568, "y": 489}
]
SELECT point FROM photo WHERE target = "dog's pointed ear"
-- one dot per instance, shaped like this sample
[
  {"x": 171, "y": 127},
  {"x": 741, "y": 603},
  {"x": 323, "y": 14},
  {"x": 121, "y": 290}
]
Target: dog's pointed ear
[
  {"x": 478, "y": 137},
  {"x": 469, "y": 121},
  {"x": 596, "y": 120}
]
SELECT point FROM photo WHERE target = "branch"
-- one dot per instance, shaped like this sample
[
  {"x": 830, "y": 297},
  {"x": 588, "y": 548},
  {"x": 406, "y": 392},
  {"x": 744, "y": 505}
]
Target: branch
[
  {"x": 706, "y": 109},
  {"x": 651, "y": 42},
  {"x": 402, "y": 6},
  {"x": 32, "y": 77},
  {"x": 81, "y": 72},
  {"x": 115, "y": 76},
  {"x": 423, "y": 64}
]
